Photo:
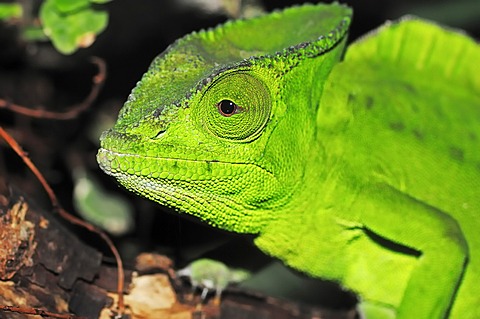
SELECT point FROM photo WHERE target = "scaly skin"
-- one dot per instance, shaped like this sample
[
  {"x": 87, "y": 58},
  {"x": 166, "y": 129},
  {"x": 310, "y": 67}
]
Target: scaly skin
[{"x": 364, "y": 170}]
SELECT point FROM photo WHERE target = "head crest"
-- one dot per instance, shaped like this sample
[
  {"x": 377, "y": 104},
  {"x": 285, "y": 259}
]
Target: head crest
[{"x": 194, "y": 60}]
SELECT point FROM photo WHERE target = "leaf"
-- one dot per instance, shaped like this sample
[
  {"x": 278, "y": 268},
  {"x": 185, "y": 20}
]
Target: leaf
[
  {"x": 10, "y": 11},
  {"x": 108, "y": 211},
  {"x": 66, "y": 6},
  {"x": 69, "y": 32}
]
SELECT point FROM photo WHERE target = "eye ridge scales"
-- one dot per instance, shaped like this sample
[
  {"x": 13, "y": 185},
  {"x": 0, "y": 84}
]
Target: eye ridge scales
[{"x": 352, "y": 164}]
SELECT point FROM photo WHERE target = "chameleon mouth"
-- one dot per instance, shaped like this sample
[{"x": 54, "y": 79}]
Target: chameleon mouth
[
  {"x": 196, "y": 187},
  {"x": 117, "y": 164},
  {"x": 122, "y": 164},
  {"x": 104, "y": 160},
  {"x": 171, "y": 189}
]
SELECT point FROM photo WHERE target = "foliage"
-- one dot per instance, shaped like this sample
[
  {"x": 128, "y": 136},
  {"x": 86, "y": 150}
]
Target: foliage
[
  {"x": 69, "y": 24},
  {"x": 10, "y": 11}
]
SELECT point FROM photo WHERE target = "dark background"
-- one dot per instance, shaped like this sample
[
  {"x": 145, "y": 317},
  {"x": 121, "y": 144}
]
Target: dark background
[{"x": 35, "y": 74}]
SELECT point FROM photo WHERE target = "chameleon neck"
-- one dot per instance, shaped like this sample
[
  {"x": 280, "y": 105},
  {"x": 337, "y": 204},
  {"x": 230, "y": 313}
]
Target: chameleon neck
[{"x": 319, "y": 175}]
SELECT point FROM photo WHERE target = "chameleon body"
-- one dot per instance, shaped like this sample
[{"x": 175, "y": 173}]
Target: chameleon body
[{"x": 360, "y": 166}]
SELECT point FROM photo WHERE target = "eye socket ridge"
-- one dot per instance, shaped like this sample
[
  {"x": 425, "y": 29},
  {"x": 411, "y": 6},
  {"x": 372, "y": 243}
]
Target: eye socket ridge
[{"x": 228, "y": 108}]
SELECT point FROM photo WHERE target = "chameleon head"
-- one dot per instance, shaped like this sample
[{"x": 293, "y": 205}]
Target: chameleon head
[{"x": 209, "y": 130}]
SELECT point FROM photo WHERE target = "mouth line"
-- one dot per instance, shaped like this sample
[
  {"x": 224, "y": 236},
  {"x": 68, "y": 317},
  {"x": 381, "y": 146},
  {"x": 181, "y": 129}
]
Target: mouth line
[
  {"x": 108, "y": 153},
  {"x": 119, "y": 154}
]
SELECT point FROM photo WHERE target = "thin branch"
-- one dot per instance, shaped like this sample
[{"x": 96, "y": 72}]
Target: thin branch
[
  {"x": 76, "y": 109},
  {"x": 72, "y": 219}
]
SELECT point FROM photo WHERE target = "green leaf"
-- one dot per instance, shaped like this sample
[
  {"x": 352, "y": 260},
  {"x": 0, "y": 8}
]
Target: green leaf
[
  {"x": 66, "y": 6},
  {"x": 10, "y": 11},
  {"x": 34, "y": 33},
  {"x": 69, "y": 32},
  {"x": 106, "y": 210}
]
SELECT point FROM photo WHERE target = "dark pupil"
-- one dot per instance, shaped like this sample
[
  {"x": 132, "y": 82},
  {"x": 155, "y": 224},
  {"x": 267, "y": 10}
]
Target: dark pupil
[{"x": 227, "y": 107}]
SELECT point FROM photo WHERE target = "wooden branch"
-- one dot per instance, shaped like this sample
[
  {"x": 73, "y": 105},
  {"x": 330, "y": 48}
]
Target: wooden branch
[{"x": 43, "y": 265}]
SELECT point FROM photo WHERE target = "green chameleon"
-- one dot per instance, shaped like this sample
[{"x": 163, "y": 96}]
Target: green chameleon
[{"x": 360, "y": 166}]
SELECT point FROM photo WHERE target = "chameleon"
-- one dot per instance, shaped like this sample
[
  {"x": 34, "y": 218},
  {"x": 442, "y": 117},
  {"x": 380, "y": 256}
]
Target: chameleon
[{"x": 356, "y": 163}]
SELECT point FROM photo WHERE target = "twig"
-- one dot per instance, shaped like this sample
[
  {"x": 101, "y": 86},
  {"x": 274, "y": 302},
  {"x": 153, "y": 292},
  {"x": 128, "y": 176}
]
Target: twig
[
  {"x": 97, "y": 80},
  {"x": 74, "y": 220}
]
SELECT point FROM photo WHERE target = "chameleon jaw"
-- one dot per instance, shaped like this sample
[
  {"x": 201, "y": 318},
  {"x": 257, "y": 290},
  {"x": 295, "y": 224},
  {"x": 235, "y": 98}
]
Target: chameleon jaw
[{"x": 201, "y": 195}]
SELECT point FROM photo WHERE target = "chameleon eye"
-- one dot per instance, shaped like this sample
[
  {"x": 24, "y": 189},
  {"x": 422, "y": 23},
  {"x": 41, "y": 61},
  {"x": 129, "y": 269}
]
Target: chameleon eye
[
  {"x": 228, "y": 108},
  {"x": 242, "y": 120}
]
